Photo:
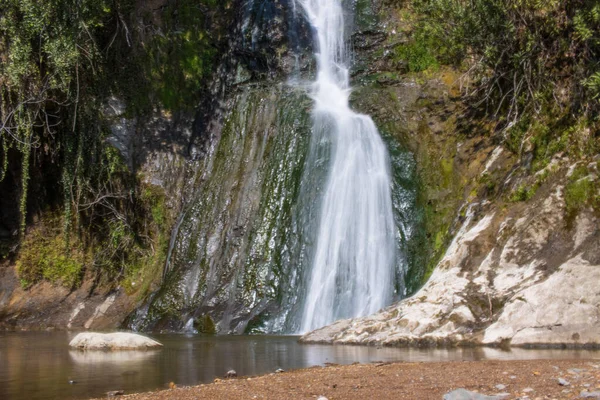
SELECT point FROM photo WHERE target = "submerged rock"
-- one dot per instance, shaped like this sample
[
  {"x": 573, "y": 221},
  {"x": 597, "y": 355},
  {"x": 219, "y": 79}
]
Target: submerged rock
[{"x": 113, "y": 341}]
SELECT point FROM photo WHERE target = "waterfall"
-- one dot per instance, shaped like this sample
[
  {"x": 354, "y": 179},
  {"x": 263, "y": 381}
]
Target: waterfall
[{"x": 354, "y": 250}]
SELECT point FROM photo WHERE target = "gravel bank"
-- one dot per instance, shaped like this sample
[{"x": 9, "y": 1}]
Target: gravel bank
[{"x": 538, "y": 379}]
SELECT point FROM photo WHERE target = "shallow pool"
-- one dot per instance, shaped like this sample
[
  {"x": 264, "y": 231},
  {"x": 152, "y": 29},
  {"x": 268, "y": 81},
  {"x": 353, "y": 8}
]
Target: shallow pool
[{"x": 39, "y": 365}]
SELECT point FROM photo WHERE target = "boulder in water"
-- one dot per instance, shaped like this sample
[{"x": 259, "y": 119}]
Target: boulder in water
[{"x": 113, "y": 341}]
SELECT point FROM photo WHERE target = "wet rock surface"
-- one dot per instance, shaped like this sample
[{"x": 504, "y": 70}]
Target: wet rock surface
[{"x": 172, "y": 151}]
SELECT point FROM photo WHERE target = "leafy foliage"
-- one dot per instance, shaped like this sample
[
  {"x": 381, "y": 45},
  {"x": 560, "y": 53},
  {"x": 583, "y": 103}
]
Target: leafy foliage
[
  {"x": 525, "y": 57},
  {"x": 60, "y": 61},
  {"x": 582, "y": 190},
  {"x": 47, "y": 255},
  {"x": 183, "y": 58}
]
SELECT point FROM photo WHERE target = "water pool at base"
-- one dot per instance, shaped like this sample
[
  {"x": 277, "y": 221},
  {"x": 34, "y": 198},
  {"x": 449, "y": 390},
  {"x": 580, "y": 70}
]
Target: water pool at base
[{"x": 39, "y": 365}]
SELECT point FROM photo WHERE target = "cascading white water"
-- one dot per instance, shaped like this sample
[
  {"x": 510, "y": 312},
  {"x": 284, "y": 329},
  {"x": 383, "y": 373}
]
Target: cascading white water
[{"x": 352, "y": 272}]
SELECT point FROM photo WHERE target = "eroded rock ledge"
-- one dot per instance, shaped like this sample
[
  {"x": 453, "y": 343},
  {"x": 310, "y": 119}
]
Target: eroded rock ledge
[{"x": 517, "y": 273}]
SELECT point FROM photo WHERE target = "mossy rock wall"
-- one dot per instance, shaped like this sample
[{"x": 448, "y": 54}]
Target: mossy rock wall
[{"x": 231, "y": 242}]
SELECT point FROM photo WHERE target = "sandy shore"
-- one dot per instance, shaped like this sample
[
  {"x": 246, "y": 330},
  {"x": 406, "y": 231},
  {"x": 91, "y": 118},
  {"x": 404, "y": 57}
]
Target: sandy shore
[{"x": 537, "y": 379}]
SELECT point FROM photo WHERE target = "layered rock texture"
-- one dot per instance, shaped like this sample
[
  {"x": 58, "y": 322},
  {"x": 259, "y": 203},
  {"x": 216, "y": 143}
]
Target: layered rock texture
[{"x": 516, "y": 273}]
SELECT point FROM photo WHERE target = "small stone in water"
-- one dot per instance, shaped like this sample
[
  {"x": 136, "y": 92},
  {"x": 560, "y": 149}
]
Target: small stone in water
[
  {"x": 72, "y": 382},
  {"x": 279, "y": 370},
  {"x": 231, "y": 374},
  {"x": 115, "y": 393}
]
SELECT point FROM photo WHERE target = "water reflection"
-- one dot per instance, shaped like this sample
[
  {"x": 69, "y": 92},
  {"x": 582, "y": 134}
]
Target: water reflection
[
  {"x": 39, "y": 365},
  {"x": 111, "y": 357}
]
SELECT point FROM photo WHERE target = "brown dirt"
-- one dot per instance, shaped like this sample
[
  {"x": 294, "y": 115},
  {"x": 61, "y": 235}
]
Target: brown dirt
[{"x": 404, "y": 381}]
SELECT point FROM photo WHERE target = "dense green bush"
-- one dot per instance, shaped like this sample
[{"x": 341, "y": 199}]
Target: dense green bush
[
  {"x": 526, "y": 57},
  {"x": 582, "y": 190},
  {"x": 60, "y": 61},
  {"x": 46, "y": 254}
]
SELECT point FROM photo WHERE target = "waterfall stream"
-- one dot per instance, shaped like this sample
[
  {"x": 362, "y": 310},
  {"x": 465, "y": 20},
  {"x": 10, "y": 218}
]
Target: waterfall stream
[
  {"x": 354, "y": 254},
  {"x": 292, "y": 220}
]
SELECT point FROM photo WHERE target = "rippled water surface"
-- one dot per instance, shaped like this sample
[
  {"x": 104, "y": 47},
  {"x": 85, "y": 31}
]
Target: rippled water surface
[{"x": 39, "y": 365}]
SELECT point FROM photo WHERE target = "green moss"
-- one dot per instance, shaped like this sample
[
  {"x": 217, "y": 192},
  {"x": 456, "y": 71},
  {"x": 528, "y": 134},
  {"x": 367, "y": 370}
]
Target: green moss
[
  {"x": 527, "y": 190},
  {"x": 45, "y": 254},
  {"x": 439, "y": 196},
  {"x": 515, "y": 135},
  {"x": 417, "y": 55},
  {"x": 523, "y": 193},
  {"x": 205, "y": 324},
  {"x": 181, "y": 59},
  {"x": 487, "y": 182},
  {"x": 145, "y": 263},
  {"x": 364, "y": 16},
  {"x": 447, "y": 169},
  {"x": 154, "y": 197},
  {"x": 581, "y": 191}
]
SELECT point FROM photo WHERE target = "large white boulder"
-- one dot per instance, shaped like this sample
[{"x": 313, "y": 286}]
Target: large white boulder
[{"x": 113, "y": 341}]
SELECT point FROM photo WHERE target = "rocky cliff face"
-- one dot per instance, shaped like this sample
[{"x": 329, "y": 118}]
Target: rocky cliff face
[
  {"x": 508, "y": 255},
  {"x": 241, "y": 246},
  {"x": 173, "y": 154},
  {"x": 515, "y": 274},
  {"x": 523, "y": 262}
]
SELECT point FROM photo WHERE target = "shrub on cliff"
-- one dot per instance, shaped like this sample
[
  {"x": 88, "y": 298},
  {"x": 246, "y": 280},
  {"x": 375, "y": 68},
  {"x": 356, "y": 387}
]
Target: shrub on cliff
[
  {"x": 60, "y": 61},
  {"x": 526, "y": 57}
]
